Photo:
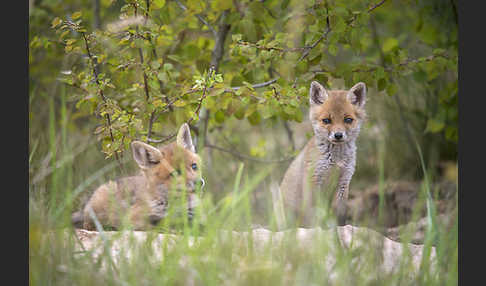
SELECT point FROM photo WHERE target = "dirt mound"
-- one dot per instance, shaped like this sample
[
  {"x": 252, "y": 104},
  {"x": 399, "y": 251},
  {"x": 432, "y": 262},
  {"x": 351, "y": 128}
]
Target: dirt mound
[{"x": 403, "y": 201}]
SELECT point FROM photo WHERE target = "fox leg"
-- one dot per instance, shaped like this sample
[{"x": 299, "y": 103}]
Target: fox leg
[{"x": 346, "y": 173}]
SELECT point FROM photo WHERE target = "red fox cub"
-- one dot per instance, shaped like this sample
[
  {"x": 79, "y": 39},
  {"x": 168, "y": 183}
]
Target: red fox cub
[
  {"x": 143, "y": 199},
  {"x": 336, "y": 117}
]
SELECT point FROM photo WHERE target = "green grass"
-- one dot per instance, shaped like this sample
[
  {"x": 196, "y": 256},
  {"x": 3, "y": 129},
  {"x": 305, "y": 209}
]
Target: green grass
[
  {"x": 210, "y": 256},
  {"x": 208, "y": 252}
]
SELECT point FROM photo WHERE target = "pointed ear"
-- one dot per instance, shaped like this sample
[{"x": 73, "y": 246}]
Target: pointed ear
[
  {"x": 145, "y": 155},
  {"x": 317, "y": 94},
  {"x": 184, "y": 138},
  {"x": 357, "y": 94}
]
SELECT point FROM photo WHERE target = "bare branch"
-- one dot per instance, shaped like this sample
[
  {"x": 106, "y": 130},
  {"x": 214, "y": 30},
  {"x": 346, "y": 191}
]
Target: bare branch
[
  {"x": 290, "y": 134},
  {"x": 258, "y": 85},
  {"x": 220, "y": 37},
  {"x": 167, "y": 138},
  {"x": 376, "y": 6},
  {"x": 322, "y": 37},
  {"x": 154, "y": 116},
  {"x": 145, "y": 81},
  {"x": 369, "y": 11},
  {"x": 246, "y": 157},
  {"x": 306, "y": 49},
  {"x": 391, "y": 68}
]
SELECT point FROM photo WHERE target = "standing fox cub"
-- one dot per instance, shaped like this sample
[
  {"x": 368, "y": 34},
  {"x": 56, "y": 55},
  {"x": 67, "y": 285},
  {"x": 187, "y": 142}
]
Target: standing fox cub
[
  {"x": 143, "y": 199},
  {"x": 336, "y": 117}
]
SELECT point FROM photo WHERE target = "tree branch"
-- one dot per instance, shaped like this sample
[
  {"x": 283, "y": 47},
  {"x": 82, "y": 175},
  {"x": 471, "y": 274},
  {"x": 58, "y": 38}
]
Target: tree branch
[
  {"x": 95, "y": 73},
  {"x": 258, "y": 85},
  {"x": 203, "y": 96},
  {"x": 391, "y": 68},
  {"x": 246, "y": 157},
  {"x": 199, "y": 17},
  {"x": 96, "y": 14},
  {"x": 167, "y": 138},
  {"x": 376, "y": 6},
  {"x": 322, "y": 37},
  {"x": 220, "y": 37}
]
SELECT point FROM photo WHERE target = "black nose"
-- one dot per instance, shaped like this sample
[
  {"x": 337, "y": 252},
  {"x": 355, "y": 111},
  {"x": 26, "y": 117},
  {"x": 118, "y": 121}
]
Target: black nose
[{"x": 338, "y": 135}]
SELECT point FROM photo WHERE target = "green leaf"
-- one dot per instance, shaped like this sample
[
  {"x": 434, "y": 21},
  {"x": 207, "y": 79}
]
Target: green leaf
[
  {"x": 380, "y": 73},
  {"x": 265, "y": 110},
  {"x": 221, "y": 5},
  {"x": 76, "y": 15},
  {"x": 180, "y": 103},
  {"x": 240, "y": 112},
  {"x": 236, "y": 37},
  {"x": 298, "y": 115},
  {"x": 219, "y": 116},
  {"x": 158, "y": 103},
  {"x": 255, "y": 118},
  {"x": 451, "y": 133},
  {"x": 56, "y": 22},
  {"x": 340, "y": 26},
  {"x": 157, "y": 4},
  {"x": 434, "y": 125},
  {"x": 389, "y": 44},
  {"x": 155, "y": 64},
  {"x": 382, "y": 84},
  {"x": 332, "y": 49}
]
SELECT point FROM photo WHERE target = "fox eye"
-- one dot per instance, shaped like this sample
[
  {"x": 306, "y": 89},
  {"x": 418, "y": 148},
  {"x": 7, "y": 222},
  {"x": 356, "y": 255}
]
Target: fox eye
[
  {"x": 194, "y": 166},
  {"x": 348, "y": 120},
  {"x": 326, "y": 120}
]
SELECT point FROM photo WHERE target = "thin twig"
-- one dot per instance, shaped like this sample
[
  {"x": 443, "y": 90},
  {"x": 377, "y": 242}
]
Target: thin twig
[
  {"x": 306, "y": 49},
  {"x": 203, "y": 96},
  {"x": 220, "y": 37},
  {"x": 393, "y": 67},
  {"x": 167, "y": 138},
  {"x": 258, "y": 85},
  {"x": 246, "y": 157},
  {"x": 153, "y": 114},
  {"x": 322, "y": 37},
  {"x": 198, "y": 16},
  {"x": 46, "y": 171},
  {"x": 376, "y": 6},
  {"x": 368, "y": 11},
  {"x": 95, "y": 73},
  {"x": 145, "y": 81},
  {"x": 290, "y": 134}
]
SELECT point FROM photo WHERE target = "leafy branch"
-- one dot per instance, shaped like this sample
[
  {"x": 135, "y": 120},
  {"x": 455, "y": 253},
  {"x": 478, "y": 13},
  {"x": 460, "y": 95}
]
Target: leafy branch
[
  {"x": 200, "y": 18},
  {"x": 78, "y": 28}
]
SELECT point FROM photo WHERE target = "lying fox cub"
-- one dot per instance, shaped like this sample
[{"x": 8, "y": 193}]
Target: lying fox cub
[
  {"x": 336, "y": 117},
  {"x": 143, "y": 199}
]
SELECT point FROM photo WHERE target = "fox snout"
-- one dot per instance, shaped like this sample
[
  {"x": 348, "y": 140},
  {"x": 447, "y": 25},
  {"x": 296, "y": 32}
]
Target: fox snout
[
  {"x": 337, "y": 136},
  {"x": 193, "y": 185}
]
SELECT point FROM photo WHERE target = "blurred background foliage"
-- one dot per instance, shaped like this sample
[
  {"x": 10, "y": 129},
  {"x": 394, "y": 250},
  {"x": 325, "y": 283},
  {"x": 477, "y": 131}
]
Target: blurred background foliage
[{"x": 103, "y": 73}]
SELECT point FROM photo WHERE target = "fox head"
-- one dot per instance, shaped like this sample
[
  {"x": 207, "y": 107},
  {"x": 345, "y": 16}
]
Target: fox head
[
  {"x": 337, "y": 115},
  {"x": 175, "y": 165}
]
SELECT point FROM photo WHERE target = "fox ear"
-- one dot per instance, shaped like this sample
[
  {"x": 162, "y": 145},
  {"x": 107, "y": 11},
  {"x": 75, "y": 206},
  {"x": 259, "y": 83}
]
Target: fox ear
[
  {"x": 317, "y": 94},
  {"x": 357, "y": 94},
  {"x": 184, "y": 138},
  {"x": 145, "y": 155}
]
